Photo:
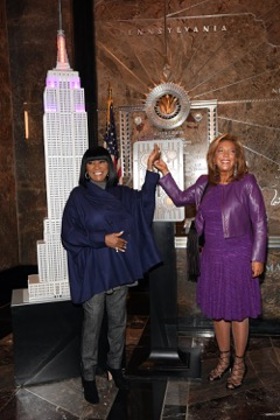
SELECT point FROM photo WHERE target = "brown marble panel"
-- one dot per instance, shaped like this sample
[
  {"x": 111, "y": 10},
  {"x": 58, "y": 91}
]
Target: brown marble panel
[
  {"x": 8, "y": 224},
  {"x": 270, "y": 287},
  {"x": 129, "y": 10}
]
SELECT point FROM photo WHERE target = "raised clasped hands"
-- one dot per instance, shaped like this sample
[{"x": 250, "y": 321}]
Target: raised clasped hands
[
  {"x": 153, "y": 156},
  {"x": 155, "y": 161},
  {"x": 114, "y": 240}
]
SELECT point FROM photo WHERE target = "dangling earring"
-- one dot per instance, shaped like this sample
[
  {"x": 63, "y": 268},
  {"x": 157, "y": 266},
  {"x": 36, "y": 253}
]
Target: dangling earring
[
  {"x": 235, "y": 171},
  {"x": 87, "y": 176}
]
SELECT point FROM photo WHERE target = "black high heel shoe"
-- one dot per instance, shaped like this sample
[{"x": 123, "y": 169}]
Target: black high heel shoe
[
  {"x": 90, "y": 391},
  {"x": 119, "y": 379},
  {"x": 222, "y": 367},
  {"x": 238, "y": 373}
]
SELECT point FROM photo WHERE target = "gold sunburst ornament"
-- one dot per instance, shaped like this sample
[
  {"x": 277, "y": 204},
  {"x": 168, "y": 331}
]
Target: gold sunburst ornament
[{"x": 167, "y": 106}]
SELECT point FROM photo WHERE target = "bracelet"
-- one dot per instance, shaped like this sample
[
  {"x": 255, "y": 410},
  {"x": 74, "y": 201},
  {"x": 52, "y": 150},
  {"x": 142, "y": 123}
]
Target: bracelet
[{"x": 150, "y": 170}]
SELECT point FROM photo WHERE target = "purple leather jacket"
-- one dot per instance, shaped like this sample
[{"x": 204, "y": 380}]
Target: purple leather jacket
[{"x": 243, "y": 209}]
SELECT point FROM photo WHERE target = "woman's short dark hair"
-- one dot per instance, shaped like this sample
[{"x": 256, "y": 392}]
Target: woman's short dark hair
[
  {"x": 241, "y": 165},
  {"x": 98, "y": 153}
]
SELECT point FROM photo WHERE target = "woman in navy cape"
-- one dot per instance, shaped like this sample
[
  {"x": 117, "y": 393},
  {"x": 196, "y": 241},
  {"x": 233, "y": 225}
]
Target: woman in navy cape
[{"x": 107, "y": 233}]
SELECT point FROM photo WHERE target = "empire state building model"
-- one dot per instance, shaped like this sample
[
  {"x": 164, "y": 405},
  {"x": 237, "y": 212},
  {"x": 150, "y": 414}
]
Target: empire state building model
[{"x": 65, "y": 141}]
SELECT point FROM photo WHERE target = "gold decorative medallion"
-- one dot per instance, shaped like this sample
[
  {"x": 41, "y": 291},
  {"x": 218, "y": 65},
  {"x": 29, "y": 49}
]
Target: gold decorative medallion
[{"x": 167, "y": 106}]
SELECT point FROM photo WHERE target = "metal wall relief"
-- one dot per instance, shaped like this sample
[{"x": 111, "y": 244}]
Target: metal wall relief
[
  {"x": 167, "y": 106},
  {"x": 198, "y": 128}
]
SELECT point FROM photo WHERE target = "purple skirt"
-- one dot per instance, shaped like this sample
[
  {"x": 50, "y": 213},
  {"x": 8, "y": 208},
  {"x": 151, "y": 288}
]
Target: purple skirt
[{"x": 225, "y": 289}]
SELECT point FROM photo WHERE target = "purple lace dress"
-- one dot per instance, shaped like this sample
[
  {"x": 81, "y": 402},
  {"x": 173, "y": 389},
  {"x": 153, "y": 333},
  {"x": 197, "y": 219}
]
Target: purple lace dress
[{"x": 225, "y": 288}]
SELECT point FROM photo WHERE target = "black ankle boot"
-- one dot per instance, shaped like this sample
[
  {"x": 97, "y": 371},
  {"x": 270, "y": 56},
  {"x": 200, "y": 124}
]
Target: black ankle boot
[
  {"x": 119, "y": 379},
  {"x": 90, "y": 391}
]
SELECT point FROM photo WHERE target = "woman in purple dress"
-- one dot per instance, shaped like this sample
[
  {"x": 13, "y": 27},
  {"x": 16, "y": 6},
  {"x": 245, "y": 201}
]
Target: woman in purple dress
[{"x": 233, "y": 218}]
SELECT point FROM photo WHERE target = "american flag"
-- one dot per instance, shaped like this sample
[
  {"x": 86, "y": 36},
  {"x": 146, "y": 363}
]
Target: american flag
[{"x": 110, "y": 140}]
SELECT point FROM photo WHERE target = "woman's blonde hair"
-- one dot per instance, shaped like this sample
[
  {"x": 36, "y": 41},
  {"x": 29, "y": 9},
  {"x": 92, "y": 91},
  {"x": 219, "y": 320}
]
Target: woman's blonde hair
[{"x": 241, "y": 167}]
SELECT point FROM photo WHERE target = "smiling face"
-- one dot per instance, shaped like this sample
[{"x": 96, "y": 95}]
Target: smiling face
[
  {"x": 97, "y": 170},
  {"x": 225, "y": 158}
]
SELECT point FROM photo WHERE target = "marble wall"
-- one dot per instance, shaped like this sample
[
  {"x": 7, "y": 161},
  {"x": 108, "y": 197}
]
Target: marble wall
[
  {"x": 224, "y": 50},
  {"x": 228, "y": 51},
  {"x": 8, "y": 205}
]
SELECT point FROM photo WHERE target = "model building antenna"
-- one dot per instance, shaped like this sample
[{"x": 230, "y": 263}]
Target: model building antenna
[
  {"x": 62, "y": 62},
  {"x": 59, "y": 15}
]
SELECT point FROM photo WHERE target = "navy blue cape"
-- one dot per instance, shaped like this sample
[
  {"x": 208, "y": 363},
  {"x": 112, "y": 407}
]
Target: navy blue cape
[{"x": 91, "y": 213}]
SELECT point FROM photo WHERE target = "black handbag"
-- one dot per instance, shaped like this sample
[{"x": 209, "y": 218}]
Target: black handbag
[{"x": 195, "y": 244}]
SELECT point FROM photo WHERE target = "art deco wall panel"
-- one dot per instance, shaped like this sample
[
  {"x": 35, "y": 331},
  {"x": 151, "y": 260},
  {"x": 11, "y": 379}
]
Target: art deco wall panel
[{"x": 223, "y": 51}]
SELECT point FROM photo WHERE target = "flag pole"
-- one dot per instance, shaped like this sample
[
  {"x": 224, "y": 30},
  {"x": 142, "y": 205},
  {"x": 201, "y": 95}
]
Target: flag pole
[
  {"x": 110, "y": 138},
  {"x": 109, "y": 102}
]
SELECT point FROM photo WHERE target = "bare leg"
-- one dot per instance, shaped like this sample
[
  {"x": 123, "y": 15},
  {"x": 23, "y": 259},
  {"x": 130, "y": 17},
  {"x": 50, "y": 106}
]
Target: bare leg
[
  {"x": 222, "y": 331},
  {"x": 240, "y": 331}
]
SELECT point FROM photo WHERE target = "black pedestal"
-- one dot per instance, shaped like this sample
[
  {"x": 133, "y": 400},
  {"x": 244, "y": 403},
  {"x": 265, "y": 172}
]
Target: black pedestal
[
  {"x": 165, "y": 358},
  {"x": 46, "y": 340}
]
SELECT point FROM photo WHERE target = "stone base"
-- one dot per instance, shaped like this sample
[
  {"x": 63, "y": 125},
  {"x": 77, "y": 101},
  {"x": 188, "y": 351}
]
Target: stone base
[{"x": 46, "y": 339}]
